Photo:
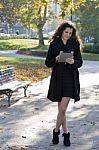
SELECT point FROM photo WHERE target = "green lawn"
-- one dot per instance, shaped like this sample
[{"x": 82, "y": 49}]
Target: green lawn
[
  {"x": 19, "y": 43},
  {"x": 90, "y": 56},
  {"x": 17, "y": 62}
]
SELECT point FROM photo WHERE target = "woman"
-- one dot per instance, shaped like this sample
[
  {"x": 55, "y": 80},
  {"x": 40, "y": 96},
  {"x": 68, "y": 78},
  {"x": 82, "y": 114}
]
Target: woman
[{"x": 64, "y": 82}]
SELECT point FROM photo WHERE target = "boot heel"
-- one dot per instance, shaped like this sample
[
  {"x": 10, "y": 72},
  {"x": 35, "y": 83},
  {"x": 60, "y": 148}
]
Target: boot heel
[{"x": 55, "y": 139}]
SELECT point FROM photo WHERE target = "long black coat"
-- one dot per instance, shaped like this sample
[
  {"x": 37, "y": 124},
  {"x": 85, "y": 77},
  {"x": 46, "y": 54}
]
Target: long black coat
[{"x": 54, "y": 92}]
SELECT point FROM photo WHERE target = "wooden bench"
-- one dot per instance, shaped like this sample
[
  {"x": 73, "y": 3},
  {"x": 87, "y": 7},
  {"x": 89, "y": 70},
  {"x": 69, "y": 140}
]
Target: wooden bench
[{"x": 9, "y": 84}]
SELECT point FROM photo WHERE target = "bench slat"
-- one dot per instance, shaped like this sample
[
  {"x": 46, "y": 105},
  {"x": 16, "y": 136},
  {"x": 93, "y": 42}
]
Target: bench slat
[
  {"x": 14, "y": 85},
  {"x": 7, "y": 75}
]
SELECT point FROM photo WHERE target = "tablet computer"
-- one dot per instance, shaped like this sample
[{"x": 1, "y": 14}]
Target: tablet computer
[{"x": 64, "y": 56}]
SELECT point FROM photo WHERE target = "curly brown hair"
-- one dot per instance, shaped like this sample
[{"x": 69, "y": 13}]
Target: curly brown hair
[{"x": 62, "y": 27}]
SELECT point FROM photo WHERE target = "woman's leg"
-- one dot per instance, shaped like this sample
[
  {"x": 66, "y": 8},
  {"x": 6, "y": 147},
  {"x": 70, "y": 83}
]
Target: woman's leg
[
  {"x": 61, "y": 118},
  {"x": 64, "y": 124}
]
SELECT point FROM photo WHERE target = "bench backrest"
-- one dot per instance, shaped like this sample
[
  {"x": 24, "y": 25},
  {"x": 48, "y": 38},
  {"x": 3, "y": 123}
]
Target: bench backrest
[{"x": 7, "y": 75}]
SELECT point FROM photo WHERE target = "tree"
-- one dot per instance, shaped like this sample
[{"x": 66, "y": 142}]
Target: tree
[
  {"x": 89, "y": 19},
  {"x": 68, "y": 7},
  {"x": 34, "y": 13},
  {"x": 9, "y": 11}
]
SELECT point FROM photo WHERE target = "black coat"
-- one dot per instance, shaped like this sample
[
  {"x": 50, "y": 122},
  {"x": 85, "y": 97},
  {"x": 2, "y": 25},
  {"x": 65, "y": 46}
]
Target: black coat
[{"x": 54, "y": 92}]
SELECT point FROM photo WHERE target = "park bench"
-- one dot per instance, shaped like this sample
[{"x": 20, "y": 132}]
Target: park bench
[{"x": 9, "y": 83}]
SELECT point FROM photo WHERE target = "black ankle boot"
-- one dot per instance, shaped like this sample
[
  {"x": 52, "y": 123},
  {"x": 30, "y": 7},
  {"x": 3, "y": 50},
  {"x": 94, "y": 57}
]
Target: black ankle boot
[
  {"x": 55, "y": 139},
  {"x": 66, "y": 140}
]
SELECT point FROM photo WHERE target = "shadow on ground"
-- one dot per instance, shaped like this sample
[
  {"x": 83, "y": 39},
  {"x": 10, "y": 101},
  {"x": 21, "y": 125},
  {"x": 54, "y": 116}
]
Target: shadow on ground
[{"x": 28, "y": 123}]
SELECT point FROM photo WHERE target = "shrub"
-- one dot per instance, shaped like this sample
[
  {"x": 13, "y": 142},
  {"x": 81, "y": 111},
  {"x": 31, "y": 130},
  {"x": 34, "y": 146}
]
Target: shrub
[{"x": 91, "y": 48}]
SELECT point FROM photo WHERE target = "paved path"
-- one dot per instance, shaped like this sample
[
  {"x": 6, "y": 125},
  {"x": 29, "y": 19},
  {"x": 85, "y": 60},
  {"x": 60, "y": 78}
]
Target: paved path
[
  {"x": 28, "y": 123},
  {"x": 12, "y": 53}
]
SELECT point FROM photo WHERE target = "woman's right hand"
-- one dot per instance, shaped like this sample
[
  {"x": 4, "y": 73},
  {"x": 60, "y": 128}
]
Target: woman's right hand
[{"x": 58, "y": 56}]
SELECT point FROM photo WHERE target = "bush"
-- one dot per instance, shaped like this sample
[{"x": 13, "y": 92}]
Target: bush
[{"x": 91, "y": 48}]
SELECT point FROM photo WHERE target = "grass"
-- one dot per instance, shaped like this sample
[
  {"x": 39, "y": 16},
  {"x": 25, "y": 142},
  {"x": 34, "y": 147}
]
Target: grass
[
  {"x": 90, "y": 56},
  {"x": 19, "y": 44}
]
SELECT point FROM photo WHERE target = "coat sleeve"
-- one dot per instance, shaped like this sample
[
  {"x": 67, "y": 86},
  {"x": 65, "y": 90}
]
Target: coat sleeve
[
  {"x": 78, "y": 58},
  {"x": 50, "y": 60}
]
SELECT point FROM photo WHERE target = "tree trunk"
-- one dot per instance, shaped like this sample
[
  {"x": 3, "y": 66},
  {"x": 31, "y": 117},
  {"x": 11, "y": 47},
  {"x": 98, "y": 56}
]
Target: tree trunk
[
  {"x": 41, "y": 40},
  {"x": 42, "y": 20}
]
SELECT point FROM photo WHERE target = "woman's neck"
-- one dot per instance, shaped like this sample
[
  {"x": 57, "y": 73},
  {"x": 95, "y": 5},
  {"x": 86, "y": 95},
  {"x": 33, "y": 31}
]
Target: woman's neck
[{"x": 64, "y": 40}]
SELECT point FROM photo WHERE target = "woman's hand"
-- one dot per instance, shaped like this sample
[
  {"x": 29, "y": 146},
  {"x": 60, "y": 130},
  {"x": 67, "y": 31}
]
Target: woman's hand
[
  {"x": 57, "y": 57},
  {"x": 70, "y": 60}
]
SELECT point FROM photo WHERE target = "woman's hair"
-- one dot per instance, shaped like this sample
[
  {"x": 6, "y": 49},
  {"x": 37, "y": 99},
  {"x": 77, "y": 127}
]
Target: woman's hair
[{"x": 62, "y": 27}]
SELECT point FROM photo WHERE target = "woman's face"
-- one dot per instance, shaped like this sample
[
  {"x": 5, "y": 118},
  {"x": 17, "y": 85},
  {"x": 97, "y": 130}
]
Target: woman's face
[{"x": 67, "y": 33}]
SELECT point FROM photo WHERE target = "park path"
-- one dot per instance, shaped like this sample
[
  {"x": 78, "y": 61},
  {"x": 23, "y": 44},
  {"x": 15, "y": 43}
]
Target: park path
[
  {"x": 28, "y": 123},
  {"x": 13, "y": 53}
]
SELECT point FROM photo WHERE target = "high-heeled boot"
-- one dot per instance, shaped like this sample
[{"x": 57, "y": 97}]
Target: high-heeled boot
[
  {"x": 66, "y": 139},
  {"x": 55, "y": 139}
]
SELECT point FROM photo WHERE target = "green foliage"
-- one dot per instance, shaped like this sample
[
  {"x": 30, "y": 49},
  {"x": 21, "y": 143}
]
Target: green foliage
[
  {"x": 9, "y": 11},
  {"x": 69, "y": 6},
  {"x": 33, "y": 13},
  {"x": 89, "y": 19}
]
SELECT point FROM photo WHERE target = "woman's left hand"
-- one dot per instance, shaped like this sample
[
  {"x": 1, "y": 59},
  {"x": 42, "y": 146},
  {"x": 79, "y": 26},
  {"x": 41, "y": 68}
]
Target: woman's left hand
[{"x": 70, "y": 60}]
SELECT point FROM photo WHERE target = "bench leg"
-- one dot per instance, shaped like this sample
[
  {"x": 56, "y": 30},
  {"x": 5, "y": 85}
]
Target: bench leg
[
  {"x": 9, "y": 94},
  {"x": 9, "y": 100},
  {"x": 25, "y": 88}
]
